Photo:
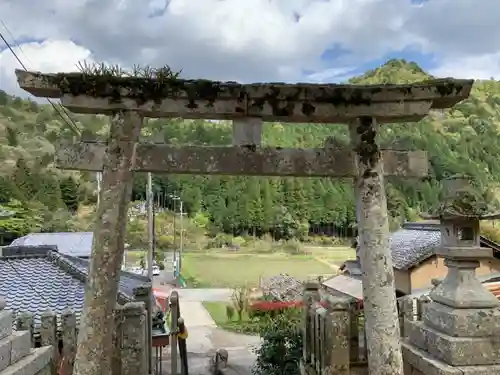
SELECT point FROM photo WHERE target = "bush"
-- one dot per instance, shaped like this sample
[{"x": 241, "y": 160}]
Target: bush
[
  {"x": 219, "y": 241},
  {"x": 293, "y": 247},
  {"x": 200, "y": 220},
  {"x": 281, "y": 348},
  {"x": 238, "y": 241}
]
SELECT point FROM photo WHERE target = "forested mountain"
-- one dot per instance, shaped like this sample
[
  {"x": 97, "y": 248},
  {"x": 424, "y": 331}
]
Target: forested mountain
[{"x": 460, "y": 140}]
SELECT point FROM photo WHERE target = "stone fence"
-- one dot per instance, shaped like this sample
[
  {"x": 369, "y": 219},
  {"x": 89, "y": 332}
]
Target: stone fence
[
  {"x": 334, "y": 333},
  {"x": 129, "y": 339}
]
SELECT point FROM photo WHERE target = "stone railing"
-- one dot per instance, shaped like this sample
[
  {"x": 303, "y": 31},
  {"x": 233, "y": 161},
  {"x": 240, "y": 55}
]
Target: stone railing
[
  {"x": 334, "y": 333},
  {"x": 129, "y": 339}
]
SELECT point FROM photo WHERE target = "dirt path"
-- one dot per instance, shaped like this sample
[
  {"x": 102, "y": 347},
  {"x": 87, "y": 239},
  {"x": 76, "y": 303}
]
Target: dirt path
[{"x": 331, "y": 265}]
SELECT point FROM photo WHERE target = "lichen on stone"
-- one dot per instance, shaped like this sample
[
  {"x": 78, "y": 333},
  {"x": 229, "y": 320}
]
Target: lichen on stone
[
  {"x": 468, "y": 201},
  {"x": 142, "y": 84}
]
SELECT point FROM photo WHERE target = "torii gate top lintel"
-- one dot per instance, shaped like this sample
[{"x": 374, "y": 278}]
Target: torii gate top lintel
[{"x": 302, "y": 102}]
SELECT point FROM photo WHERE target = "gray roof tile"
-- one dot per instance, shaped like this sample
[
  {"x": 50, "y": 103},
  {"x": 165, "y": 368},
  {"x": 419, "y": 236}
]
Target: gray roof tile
[
  {"x": 49, "y": 280},
  {"x": 409, "y": 247},
  {"x": 77, "y": 244}
]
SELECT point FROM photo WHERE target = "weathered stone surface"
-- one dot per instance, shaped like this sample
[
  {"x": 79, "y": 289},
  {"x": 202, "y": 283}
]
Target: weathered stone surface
[
  {"x": 247, "y": 131},
  {"x": 5, "y": 351},
  {"x": 278, "y": 110},
  {"x": 462, "y": 322},
  {"x": 480, "y": 370},
  {"x": 37, "y": 362},
  {"x": 421, "y": 361},
  {"x": 134, "y": 339},
  {"x": 5, "y": 323},
  {"x": 95, "y": 349},
  {"x": 379, "y": 299},
  {"x": 455, "y": 351},
  {"x": 242, "y": 160},
  {"x": 461, "y": 289},
  {"x": 270, "y": 101},
  {"x": 465, "y": 252},
  {"x": 21, "y": 345}
]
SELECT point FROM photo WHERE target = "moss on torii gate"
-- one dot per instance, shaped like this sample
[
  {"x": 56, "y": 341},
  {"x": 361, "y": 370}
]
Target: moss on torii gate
[{"x": 127, "y": 98}]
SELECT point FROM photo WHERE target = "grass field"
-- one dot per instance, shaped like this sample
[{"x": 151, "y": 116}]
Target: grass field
[
  {"x": 217, "y": 311},
  {"x": 222, "y": 269}
]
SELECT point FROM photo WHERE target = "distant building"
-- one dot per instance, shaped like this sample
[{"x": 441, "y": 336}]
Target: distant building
[
  {"x": 39, "y": 278},
  {"x": 76, "y": 244},
  {"x": 415, "y": 263}
]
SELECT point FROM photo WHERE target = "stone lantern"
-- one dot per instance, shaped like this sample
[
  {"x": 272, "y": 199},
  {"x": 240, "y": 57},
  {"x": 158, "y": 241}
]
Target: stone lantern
[
  {"x": 460, "y": 214},
  {"x": 459, "y": 330}
]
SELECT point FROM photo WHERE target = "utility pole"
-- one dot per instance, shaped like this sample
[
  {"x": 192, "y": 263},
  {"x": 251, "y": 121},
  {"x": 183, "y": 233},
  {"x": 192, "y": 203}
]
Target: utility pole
[
  {"x": 181, "y": 242},
  {"x": 173, "y": 197},
  {"x": 99, "y": 184},
  {"x": 150, "y": 226}
]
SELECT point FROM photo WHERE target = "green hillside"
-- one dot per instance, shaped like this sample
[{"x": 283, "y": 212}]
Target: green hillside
[{"x": 461, "y": 140}]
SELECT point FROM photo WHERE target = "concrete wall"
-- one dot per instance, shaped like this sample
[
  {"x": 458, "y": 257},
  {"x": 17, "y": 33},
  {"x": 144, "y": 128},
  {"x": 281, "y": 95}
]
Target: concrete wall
[{"x": 403, "y": 281}]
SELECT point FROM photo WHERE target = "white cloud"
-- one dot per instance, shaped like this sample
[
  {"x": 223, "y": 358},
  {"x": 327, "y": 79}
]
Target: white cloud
[
  {"x": 48, "y": 56},
  {"x": 253, "y": 40},
  {"x": 478, "y": 67}
]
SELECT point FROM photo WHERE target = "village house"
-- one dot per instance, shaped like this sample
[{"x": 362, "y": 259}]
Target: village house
[
  {"x": 75, "y": 244},
  {"x": 40, "y": 278},
  {"x": 415, "y": 263}
]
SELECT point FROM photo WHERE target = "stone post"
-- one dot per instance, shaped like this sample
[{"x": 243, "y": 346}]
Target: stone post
[
  {"x": 310, "y": 296},
  {"x": 380, "y": 308},
  {"x": 24, "y": 322},
  {"x": 95, "y": 339},
  {"x": 247, "y": 132},
  {"x": 144, "y": 294},
  {"x": 134, "y": 339},
  {"x": 5, "y": 320},
  {"x": 460, "y": 326},
  {"x": 338, "y": 333},
  {"x": 69, "y": 339},
  {"x": 116, "y": 363},
  {"x": 48, "y": 334}
]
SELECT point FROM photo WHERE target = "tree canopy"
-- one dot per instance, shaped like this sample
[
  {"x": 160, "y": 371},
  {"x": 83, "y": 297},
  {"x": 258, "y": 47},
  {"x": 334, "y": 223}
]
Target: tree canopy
[{"x": 461, "y": 140}]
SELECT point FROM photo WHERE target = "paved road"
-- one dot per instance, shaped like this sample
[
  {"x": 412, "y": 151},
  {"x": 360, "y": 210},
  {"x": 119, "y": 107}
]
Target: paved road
[
  {"x": 205, "y": 337},
  {"x": 205, "y": 295}
]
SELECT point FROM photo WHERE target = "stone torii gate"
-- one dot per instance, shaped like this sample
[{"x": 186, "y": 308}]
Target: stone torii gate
[{"x": 127, "y": 100}]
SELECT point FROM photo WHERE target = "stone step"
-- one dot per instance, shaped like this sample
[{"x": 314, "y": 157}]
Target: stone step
[
  {"x": 37, "y": 360},
  {"x": 5, "y": 323},
  {"x": 14, "y": 348},
  {"x": 21, "y": 346}
]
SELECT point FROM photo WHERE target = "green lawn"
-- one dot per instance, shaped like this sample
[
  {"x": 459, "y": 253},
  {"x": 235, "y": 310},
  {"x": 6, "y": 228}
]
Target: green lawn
[
  {"x": 335, "y": 254},
  {"x": 233, "y": 269},
  {"x": 217, "y": 311}
]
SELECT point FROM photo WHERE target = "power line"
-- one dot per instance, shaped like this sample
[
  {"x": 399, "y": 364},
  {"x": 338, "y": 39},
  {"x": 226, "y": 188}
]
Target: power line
[{"x": 71, "y": 124}]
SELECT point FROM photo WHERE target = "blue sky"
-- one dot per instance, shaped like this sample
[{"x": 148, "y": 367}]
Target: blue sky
[{"x": 255, "y": 40}]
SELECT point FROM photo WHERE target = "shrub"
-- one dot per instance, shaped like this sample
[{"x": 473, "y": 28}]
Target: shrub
[
  {"x": 281, "y": 348},
  {"x": 292, "y": 247},
  {"x": 240, "y": 301},
  {"x": 229, "y": 312}
]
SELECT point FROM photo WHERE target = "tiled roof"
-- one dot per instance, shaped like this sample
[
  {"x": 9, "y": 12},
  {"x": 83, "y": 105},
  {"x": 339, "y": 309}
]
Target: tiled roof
[
  {"x": 409, "y": 247},
  {"x": 77, "y": 244},
  {"x": 35, "y": 279},
  {"x": 418, "y": 241}
]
